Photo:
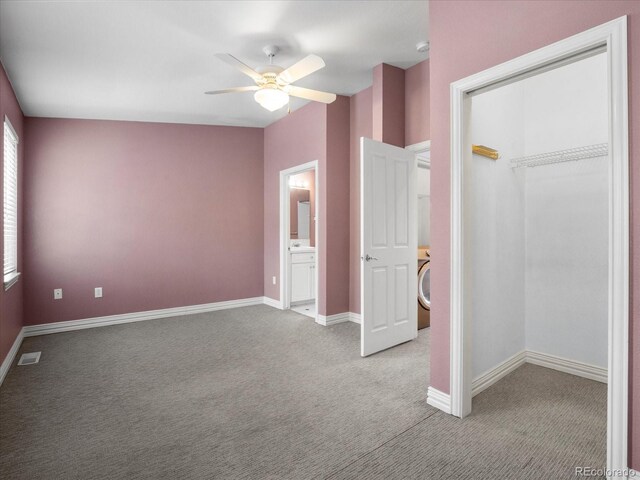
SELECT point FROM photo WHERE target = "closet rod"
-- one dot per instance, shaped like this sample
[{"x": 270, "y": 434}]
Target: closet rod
[{"x": 560, "y": 156}]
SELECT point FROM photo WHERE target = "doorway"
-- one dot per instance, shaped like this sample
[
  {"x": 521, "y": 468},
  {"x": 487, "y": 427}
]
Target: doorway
[
  {"x": 299, "y": 239},
  {"x": 422, "y": 151},
  {"x": 609, "y": 40}
]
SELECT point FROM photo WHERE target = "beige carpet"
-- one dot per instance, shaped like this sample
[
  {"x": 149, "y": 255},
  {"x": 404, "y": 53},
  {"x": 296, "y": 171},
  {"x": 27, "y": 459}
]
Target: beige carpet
[{"x": 256, "y": 393}]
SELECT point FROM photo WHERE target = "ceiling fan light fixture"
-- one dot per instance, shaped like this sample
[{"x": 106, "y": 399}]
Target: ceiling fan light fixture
[{"x": 271, "y": 98}]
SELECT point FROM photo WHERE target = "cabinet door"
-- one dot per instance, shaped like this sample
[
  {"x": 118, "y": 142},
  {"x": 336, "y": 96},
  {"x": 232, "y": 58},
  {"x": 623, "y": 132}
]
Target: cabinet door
[
  {"x": 312, "y": 281},
  {"x": 300, "y": 281}
]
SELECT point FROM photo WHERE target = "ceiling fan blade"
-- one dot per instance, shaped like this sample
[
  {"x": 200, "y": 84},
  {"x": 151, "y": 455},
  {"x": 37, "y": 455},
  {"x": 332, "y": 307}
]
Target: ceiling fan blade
[
  {"x": 304, "y": 67},
  {"x": 234, "y": 62},
  {"x": 233, "y": 90},
  {"x": 315, "y": 95}
]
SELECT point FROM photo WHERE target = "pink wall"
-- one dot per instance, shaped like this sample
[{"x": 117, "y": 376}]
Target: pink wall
[
  {"x": 337, "y": 206},
  {"x": 361, "y": 121},
  {"x": 159, "y": 215},
  {"x": 388, "y": 104},
  {"x": 465, "y": 40},
  {"x": 11, "y": 300},
  {"x": 417, "y": 104},
  {"x": 296, "y": 139},
  {"x": 314, "y": 132}
]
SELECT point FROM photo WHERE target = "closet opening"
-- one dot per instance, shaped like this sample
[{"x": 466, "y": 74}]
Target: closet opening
[
  {"x": 537, "y": 243},
  {"x": 539, "y": 249}
]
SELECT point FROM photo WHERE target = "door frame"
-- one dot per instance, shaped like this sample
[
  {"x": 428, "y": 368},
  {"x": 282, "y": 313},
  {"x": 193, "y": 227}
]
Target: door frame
[
  {"x": 420, "y": 149},
  {"x": 612, "y": 37},
  {"x": 285, "y": 211}
]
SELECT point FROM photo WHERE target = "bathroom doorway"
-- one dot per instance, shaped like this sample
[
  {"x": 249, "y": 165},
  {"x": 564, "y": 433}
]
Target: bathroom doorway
[{"x": 299, "y": 239}]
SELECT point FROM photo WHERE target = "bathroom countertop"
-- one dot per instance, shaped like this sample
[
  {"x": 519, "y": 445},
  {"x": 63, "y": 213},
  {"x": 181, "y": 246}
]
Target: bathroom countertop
[{"x": 304, "y": 249}]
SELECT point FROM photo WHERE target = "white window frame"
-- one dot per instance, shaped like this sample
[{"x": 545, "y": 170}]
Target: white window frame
[{"x": 10, "y": 277}]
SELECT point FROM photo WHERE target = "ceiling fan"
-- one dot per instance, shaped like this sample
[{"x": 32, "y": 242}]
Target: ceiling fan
[{"x": 273, "y": 83}]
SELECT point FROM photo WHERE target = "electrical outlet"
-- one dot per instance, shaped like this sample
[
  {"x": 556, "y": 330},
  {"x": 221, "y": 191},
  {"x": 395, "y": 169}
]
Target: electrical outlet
[
  {"x": 57, "y": 294},
  {"x": 98, "y": 292},
  {"x": 273, "y": 279}
]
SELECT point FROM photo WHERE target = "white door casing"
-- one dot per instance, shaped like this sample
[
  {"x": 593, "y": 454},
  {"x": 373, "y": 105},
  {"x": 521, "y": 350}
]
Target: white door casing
[
  {"x": 388, "y": 246},
  {"x": 285, "y": 257},
  {"x": 613, "y": 37}
]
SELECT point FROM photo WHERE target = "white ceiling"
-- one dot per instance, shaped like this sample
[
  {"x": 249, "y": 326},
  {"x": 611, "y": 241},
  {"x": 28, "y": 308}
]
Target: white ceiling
[{"x": 152, "y": 60}]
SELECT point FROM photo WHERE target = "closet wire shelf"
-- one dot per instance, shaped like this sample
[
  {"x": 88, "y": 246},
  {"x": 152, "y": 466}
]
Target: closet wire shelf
[{"x": 570, "y": 155}]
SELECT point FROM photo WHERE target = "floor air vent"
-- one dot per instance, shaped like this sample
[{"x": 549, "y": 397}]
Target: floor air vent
[{"x": 29, "y": 358}]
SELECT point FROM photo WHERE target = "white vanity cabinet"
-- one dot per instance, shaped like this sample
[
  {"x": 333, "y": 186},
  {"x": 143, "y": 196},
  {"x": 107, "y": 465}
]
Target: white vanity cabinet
[{"x": 303, "y": 277}]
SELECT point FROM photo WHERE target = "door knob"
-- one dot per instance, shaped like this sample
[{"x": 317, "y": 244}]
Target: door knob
[{"x": 368, "y": 258}]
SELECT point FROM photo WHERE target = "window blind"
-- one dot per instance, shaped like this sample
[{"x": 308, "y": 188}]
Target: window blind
[{"x": 10, "y": 200}]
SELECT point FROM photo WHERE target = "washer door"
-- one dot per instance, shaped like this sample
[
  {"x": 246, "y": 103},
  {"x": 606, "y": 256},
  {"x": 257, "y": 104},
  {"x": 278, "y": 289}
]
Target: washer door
[{"x": 424, "y": 285}]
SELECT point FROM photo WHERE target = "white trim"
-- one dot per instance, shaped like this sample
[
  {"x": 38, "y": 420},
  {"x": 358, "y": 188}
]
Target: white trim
[
  {"x": 10, "y": 279},
  {"x": 284, "y": 230},
  {"x": 497, "y": 373},
  {"x": 339, "y": 318},
  {"x": 438, "y": 399},
  {"x": 421, "y": 149},
  {"x": 613, "y": 34},
  {"x": 420, "y": 146},
  {"x": 11, "y": 355},
  {"x": 58, "y": 327},
  {"x": 327, "y": 320},
  {"x": 573, "y": 367},
  {"x": 271, "y": 302},
  {"x": 633, "y": 474}
]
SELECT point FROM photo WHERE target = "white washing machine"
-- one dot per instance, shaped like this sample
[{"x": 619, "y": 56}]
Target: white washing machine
[{"x": 424, "y": 287}]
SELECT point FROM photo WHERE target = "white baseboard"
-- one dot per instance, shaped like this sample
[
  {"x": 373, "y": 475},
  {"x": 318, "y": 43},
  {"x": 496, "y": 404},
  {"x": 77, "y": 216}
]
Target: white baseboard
[
  {"x": 339, "y": 318},
  {"x": 272, "y": 302},
  {"x": 13, "y": 351},
  {"x": 554, "y": 362},
  {"x": 58, "y": 327},
  {"x": 327, "y": 320},
  {"x": 580, "y": 369},
  {"x": 438, "y": 399},
  {"x": 487, "y": 379}
]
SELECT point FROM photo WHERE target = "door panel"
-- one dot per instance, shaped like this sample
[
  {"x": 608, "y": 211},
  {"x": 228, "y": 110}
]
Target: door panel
[
  {"x": 401, "y": 276},
  {"x": 389, "y": 241},
  {"x": 401, "y": 204},
  {"x": 379, "y": 287},
  {"x": 300, "y": 282}
]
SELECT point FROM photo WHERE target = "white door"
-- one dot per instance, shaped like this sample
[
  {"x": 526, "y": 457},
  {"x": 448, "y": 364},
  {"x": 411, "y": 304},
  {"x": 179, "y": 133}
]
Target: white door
[{"x": 388, "y": 246}]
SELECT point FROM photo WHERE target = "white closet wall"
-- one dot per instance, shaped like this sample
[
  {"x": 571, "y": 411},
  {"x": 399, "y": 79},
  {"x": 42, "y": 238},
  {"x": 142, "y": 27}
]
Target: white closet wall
[
  {"x": 567, "y": 214},
  {"x": 539, "y": 234},
  {"x": 496, "y": 196}
]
